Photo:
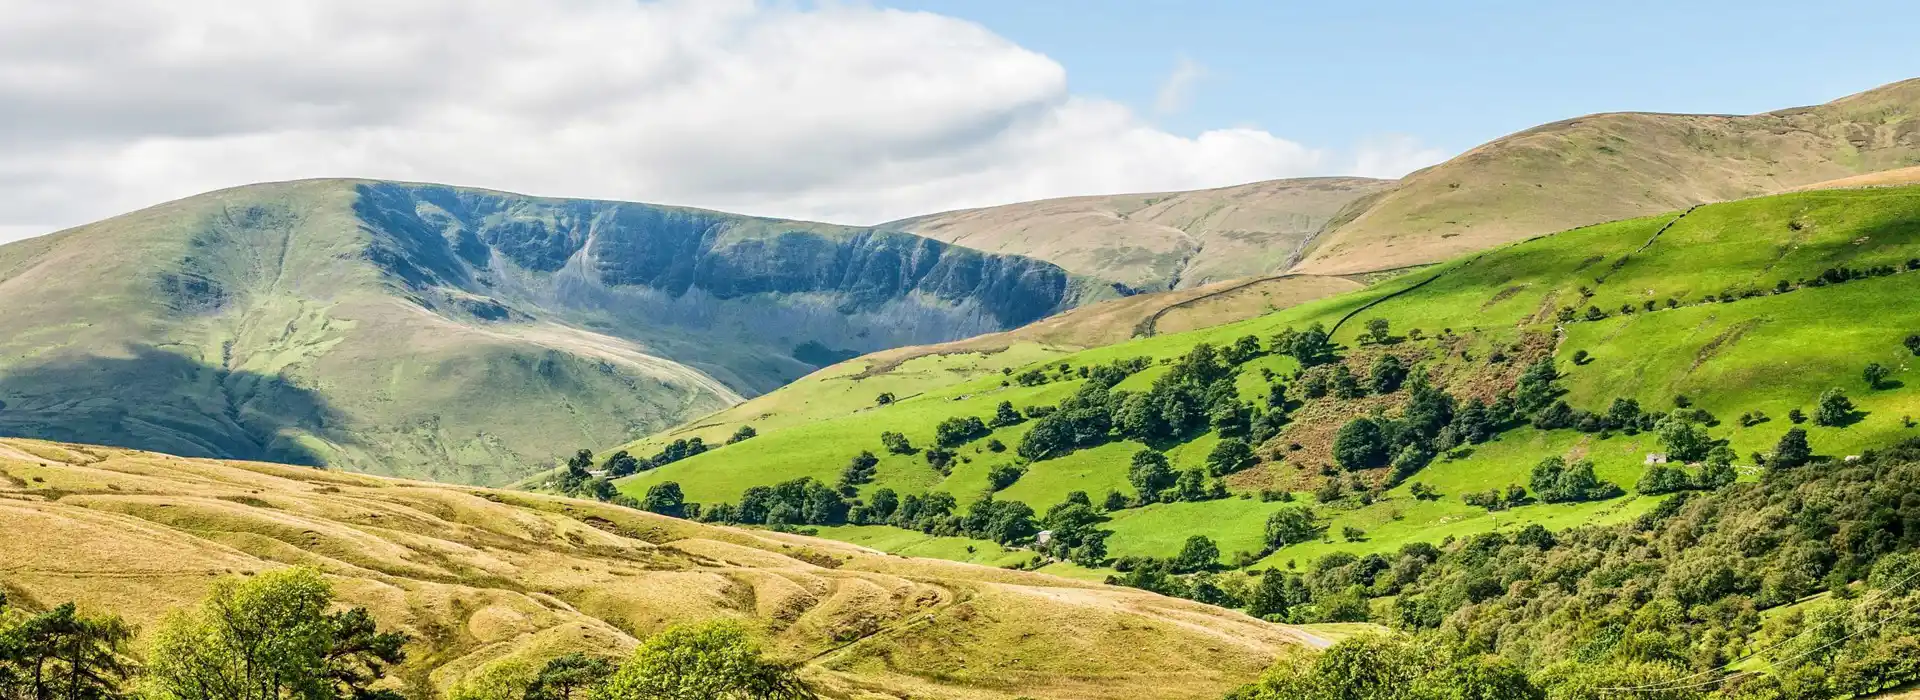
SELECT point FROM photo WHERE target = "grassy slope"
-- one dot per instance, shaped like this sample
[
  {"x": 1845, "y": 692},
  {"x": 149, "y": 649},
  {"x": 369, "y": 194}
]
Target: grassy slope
[
  {"x": 1611, "y": 166},
  {"x": 1771, "y": 353},
  {"x": 368, "y": 325},
  {"x": 479, "y": 576}
]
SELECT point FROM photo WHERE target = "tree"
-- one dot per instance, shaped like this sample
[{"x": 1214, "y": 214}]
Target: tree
[
  {"x": 1199, "y": 554},
  {"x": 1360, "y": 444},
  {"x": 1387, "y": 374},
  {"x": 665, "y": 498},
  {"x": 1661, "y": 478},
  {"x": 1555, "y": 481},
  {"x": 896, "y": 443},
  {"x": 1003, "y": 476},
  {"x": 63, "y": 655},
  {"x": 1580, "y": 357},
  {"x": 620, "y": 464},
  {"x": 1344, "y": 384},
  {"x": 1228, "y": 456},
  {"x": 568, "y": 677},
  {"x": 746, "y": 432},
  {"x": 885, "y": 397},
  {"x": 1834, "y": 409},
  {"x": 1309, "y": 347},
  {"x": 860, "y": 469},
  {"x": 1913, "y": 343},
  {"x": 1536, "y": 389},
  {"x": 1114, "y": 501},
  {"x": 1792, "y": 450},
  {"x": 1684, "y": 440},
  {"x": 1290, "y": 526},
  {"x": 1005, "y": 415},
  {"x": 712, "y": 661},
  {"x": 1150, "y": 474},
  {"x": 270, "y": 637},
  {"x": 1379, "y": 330},
  {"x": 958, "y": 430},
  {"x": 1875, "y": 374}
]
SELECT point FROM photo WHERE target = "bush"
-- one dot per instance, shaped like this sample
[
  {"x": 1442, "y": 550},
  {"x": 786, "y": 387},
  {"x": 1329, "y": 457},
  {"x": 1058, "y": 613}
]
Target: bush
[
  {"x": 1291, "y": 525},
  {"x": 896, "y": 443},
  {"x": 1387, "y": 374},
  {"x": 746, "y": 432},
  {"x": 1360, "y": 444},
  {"x": 1228, "y": 456},
  {"x": 940, "y": 459},
  {"x": 1003, "y": 476},
  {"x": 1005, "y": 415},
  {"x": 958, "y": 430},
  {"x": 1555, "y": 481}
]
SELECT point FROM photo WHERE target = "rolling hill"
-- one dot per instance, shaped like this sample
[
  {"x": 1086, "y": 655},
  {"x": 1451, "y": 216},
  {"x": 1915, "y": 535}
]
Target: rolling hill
[
  {"x": 456, "y": 334},
  {"x": 481, "y": 578},
  {"x": 1571, "y": 173},
  {"x": 1165, "y": 240},
  {"x": 1605, "y": 167},
  {"x": 1752, "y": 308}
]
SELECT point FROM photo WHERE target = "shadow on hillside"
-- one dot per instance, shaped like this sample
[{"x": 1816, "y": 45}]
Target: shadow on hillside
[{"x": 160, "y": 401}]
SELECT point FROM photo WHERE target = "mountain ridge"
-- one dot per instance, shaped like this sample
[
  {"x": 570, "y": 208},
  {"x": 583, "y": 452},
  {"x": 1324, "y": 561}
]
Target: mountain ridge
[{"x": 468, "y": 335}]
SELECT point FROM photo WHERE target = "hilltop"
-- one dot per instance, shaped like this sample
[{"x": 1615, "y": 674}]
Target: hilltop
[
  {"x": 1162, "y": 240},
  {"x": 482, "y": 577},
  {"x": 1605, "y": 167},
  {"x": 457, "y": 334}
]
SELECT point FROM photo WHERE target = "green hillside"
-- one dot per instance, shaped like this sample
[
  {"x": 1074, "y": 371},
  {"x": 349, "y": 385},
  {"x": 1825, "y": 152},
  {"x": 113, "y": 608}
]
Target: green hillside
[
  {"x": 1728, "y": 341},
  {"x": 457, "y": 334}
]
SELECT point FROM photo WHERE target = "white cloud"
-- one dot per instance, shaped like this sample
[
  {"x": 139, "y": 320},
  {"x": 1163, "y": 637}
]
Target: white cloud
[
  {"x": 839, "y": 112},
  {"x": 1393, "y": 155},
  {"x": 1177, "y": 88}
]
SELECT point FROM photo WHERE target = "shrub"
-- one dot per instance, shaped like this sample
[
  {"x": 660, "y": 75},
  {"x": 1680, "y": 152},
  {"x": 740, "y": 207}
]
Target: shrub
[
  {"x": 958, "y": 430},
  {"x": 1360, "y": 444},
  {"x": 1003, "y": 476},
  {"x": 1228, "y": 456},
  {"x": 896, "y": 443},
  {"x": 746, "y": 432}
]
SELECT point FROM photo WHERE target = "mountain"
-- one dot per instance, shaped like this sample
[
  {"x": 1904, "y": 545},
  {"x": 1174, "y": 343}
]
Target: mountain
[
  {"x": 457, "y": 334},
  {"x": 1744, "y": 313},
  {"x": 1165, "y": 240},
  {"x": 1604, "y": 167},
  {"x": 482, "y": 578},
  {"x": 1553, "y": 177}
]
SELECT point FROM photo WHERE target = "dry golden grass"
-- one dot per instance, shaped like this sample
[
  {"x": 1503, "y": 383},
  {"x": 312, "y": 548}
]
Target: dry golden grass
[
  {"x": 483, "y": 578},
  {"x": 1885, "y": 178}
]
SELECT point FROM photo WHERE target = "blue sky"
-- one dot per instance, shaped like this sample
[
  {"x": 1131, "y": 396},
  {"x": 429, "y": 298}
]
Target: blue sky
[{"x": 1455, "y": 74}]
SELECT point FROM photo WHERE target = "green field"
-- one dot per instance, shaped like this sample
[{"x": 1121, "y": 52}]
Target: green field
[{"x": 1758, "y": 351}]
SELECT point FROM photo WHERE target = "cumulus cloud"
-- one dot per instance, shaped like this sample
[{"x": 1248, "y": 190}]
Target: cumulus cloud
[{"x": 844, "y": 113}]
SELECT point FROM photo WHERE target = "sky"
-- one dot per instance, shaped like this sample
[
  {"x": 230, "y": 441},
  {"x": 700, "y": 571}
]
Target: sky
[{"x": 852, "y": 111}]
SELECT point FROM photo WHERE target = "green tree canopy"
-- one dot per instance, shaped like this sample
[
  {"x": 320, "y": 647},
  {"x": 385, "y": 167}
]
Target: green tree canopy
[
  {"x": 271, "y": 637},
  {"x": 713, "y": 661}
]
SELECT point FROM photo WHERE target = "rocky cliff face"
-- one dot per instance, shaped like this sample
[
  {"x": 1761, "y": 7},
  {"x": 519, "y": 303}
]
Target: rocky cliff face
[{"x": 758, "y": 281}]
